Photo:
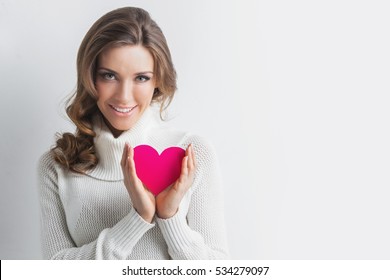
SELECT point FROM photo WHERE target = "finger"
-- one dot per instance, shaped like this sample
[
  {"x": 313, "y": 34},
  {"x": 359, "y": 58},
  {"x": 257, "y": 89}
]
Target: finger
[
  {"x": 181, "y": 185},
  {"x": 190, "y": 164},
  {"x": 131, "y": 167},
  {"x": 130, "y": 160},
  {"x": 125, "y": 166},
  {"x": 184, "y": 168},
  {"x": 193, "y": 155},
  {"x": 127, "y": 162},
  {"x": 128, "y": 170},
  {"x": 127, "y": 158},
  {"x": 124, "y": 156}
]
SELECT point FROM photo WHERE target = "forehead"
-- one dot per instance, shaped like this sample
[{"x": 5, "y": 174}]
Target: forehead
[{"x": 128, "y": 58}]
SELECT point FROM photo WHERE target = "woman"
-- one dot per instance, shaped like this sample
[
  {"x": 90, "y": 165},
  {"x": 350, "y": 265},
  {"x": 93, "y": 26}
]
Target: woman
[{"x": 93, "y": 205}]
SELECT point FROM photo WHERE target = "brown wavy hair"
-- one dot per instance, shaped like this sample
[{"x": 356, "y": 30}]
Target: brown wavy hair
[{"x": 124, "y": 26}]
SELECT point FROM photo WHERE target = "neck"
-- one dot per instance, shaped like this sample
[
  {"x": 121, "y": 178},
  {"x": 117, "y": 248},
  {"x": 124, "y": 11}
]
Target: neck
[
  {"x": 109, "y": 146},
  {"x": 115, "y": 132}
]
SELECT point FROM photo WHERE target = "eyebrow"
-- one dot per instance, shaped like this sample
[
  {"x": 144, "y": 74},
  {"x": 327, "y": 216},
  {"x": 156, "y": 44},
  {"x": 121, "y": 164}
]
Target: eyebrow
[{"x": 114, "y": 72}]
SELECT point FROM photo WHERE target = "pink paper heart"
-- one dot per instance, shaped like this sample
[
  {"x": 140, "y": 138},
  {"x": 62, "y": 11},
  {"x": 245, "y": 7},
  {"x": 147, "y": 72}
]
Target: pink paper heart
[{"x": 156, "y": 171}]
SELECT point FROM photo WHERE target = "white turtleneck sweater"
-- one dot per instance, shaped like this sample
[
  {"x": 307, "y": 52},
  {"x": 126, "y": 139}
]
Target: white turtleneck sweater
[{"x": 91, "y": 216}]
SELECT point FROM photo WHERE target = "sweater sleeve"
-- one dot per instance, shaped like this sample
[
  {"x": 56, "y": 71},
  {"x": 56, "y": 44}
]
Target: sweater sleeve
[
  {"x": 198, "y": 230},
  {"x": 112, "y": 243}
]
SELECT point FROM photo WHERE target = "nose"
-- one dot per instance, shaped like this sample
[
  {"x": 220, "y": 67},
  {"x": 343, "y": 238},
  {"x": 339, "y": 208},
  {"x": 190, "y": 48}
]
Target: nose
[{"x": 124, "y": 94}]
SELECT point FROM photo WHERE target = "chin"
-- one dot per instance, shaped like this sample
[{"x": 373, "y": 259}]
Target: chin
[{"x": 122, "y": 122}]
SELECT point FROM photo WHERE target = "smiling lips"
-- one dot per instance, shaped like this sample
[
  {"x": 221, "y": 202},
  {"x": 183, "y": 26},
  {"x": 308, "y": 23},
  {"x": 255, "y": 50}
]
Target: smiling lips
[{"x": 123, "y": 110}]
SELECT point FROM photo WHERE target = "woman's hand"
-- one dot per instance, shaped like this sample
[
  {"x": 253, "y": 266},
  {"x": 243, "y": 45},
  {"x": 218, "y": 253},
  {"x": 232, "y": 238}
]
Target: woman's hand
[
  {"x": 167, "y": 202},
  {"x": 143, "y": 200}
]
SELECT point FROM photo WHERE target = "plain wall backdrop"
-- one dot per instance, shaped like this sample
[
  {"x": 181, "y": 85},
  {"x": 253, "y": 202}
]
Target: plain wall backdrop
[{"x": 294, "y": 95}]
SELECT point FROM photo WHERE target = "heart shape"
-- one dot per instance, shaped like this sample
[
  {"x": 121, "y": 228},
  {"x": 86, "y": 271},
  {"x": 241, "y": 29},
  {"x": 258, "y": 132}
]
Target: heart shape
[{"x": 156, "y": 171}]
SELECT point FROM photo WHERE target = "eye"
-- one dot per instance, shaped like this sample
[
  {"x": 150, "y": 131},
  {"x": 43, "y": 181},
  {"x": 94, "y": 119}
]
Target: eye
[
  {"x": 107, "y": 76},
  {"x": 142, "y": 78}
]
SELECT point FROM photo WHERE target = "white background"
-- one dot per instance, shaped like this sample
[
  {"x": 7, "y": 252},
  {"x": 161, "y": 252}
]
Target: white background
[{"x": 294, "y": 95}]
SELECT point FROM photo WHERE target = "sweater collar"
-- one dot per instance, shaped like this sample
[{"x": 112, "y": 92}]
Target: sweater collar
[{"x": 109, "y": 149}]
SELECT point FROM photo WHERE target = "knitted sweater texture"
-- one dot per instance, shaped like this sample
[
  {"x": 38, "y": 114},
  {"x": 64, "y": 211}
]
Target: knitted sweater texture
[{"x": 91, "y": 216}]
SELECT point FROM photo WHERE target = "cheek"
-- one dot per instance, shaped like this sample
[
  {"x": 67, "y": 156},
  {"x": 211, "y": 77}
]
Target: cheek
[
  {"x": 103, "y": 91},
  {"x": 144, "y": 95},
  {"x": 99, "y": 90}
]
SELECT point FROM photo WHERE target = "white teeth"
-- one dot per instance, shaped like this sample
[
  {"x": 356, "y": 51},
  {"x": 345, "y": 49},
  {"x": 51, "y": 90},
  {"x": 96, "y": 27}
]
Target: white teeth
[{"x": 127, "y": 110}]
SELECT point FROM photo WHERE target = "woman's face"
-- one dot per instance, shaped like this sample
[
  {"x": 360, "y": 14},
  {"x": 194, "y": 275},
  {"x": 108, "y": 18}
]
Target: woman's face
[{"x": 125, "y": 85}]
